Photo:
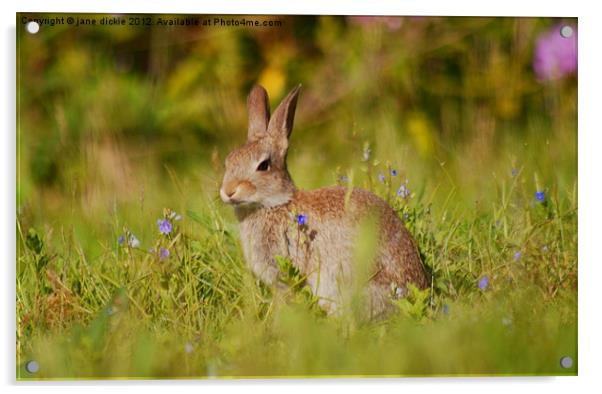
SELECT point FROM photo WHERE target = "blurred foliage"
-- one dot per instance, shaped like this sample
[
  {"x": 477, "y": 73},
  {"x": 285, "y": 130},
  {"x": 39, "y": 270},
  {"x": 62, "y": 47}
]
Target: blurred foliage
[
  {"x": 96, "y": 102},
  {"x": 117, "y": 122}
]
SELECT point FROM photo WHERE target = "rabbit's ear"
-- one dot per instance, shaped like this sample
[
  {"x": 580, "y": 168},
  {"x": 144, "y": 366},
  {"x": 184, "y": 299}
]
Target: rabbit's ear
[
  {"x": 281, "y": 124},
  {"x": 259, "y": 112}
]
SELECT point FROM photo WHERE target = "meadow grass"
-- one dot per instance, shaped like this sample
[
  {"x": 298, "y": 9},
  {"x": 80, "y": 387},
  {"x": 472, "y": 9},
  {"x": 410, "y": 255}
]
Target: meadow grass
[
  {"x": 120, "y": 128},
  {"x": 502, "y": 299}
]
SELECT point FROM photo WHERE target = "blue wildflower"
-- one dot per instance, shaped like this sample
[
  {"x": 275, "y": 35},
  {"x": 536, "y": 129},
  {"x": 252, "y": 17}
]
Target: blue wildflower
[
  {"x": 344, "y": 179},
  {"x": 120, "y": 240},
  {"x": 483, "y": 282},
  {"x": 302, "y": 219},
  {"x": 394, "y": 172},
  {"x": 164, "y": 226},
  {"x": 164, "y": 253},
  {"x": 540, "y": 196},
  {"x": 381, "y": 177},
  {"x": 514, "y": 172},
  {"x": 518, "y": 255}
]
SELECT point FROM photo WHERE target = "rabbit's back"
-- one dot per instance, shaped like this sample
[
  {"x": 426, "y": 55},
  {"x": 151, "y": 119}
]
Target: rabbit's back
[
  {"x": 319, "y": 231},
  {"x": 327, "y": 242},
  {"x": 333, "y": 216}
]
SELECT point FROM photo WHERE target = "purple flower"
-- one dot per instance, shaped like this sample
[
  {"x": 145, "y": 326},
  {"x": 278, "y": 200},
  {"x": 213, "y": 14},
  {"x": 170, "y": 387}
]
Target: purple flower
[
  {"x": 164, "y": 226},
  {"x": 302, "y": 219},
  {"x": 403, "y": 191},
  {"x": 540, "y": 196},
  {"x": 483, "y": 282},
  {"x": 555, "y": 53},
  {"x": 394, "y": 172},
  {"x": 120, "y": 240},
  {"x": 164, "y": 253},
  {"x": 344, "y": 179},
  {"x": 381, "y": 178},
  {"x": 518, "y": 255},
  {"x": 514, "y": 172}
]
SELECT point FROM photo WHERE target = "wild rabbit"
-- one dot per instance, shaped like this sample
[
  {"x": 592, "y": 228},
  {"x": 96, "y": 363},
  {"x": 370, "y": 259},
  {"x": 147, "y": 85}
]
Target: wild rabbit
[{"x": 316, "y": 229}]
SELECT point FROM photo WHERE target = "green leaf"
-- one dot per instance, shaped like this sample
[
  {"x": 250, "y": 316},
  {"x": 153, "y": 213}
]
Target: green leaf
[
  {"x": 414, "y": 305},
  {"x": 34, "y": 241}
]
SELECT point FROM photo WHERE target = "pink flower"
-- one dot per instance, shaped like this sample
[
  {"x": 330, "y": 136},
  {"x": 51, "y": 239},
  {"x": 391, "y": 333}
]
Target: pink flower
[{"x": 556, "y": 53}]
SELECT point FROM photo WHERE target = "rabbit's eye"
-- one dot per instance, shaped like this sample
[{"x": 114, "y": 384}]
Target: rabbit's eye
[{"x": 264, "y": 165}]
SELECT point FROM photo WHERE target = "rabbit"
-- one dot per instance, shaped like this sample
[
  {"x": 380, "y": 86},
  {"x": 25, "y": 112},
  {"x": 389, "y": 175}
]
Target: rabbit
[{"x": 316, "y": 229}]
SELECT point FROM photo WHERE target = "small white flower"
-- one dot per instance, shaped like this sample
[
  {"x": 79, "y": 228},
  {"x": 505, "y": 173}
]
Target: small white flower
[
  {"x": 367, "y": 152},
  {"x": 134, "y": 242},
  {"x": 398, "y": 292}
]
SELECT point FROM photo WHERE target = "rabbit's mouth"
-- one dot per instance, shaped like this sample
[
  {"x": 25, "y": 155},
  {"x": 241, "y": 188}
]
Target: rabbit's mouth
[
  {"x": 240, "y": 203},
  {"x": 237, "y": 192},
  {"x": 234, "y": 201}
]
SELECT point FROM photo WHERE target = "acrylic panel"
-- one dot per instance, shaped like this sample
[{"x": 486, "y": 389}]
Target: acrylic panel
[{"x": 247, "y": 196}]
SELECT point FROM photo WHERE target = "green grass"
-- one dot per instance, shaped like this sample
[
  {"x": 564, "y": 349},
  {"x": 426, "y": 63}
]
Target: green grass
[
  {"x": 118, "y": 126},
  {"x": 115, "y": 311}
]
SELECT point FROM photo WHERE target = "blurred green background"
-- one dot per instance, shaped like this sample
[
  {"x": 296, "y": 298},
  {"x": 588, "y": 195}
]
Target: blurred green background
[
  {"x": 106, "y": 112},
  {"x": 116, "y": 123}
]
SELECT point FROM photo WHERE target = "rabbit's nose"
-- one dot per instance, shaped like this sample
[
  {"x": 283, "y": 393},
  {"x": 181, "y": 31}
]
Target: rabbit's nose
[
  {"x": 227, "y": 191},
  {"x": 230, "y": 188}
]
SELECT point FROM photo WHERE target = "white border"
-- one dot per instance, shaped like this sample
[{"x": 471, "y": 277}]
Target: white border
[
  {"x": 311, "y": 7},
  {"x": 590, "y": 64}
]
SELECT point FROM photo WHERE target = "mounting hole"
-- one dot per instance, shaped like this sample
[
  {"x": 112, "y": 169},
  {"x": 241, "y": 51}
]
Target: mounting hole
[
  {"x": 32, "y": 27},
  {"x": 32, "y": 366},
  {"x": 566, "y": 362},
  {"x": 566, "y": 31}
]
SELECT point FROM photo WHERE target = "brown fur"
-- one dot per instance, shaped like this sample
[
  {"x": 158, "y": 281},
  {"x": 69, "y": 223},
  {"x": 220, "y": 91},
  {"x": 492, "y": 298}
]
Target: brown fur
[{"x": 266, "y": 203}]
